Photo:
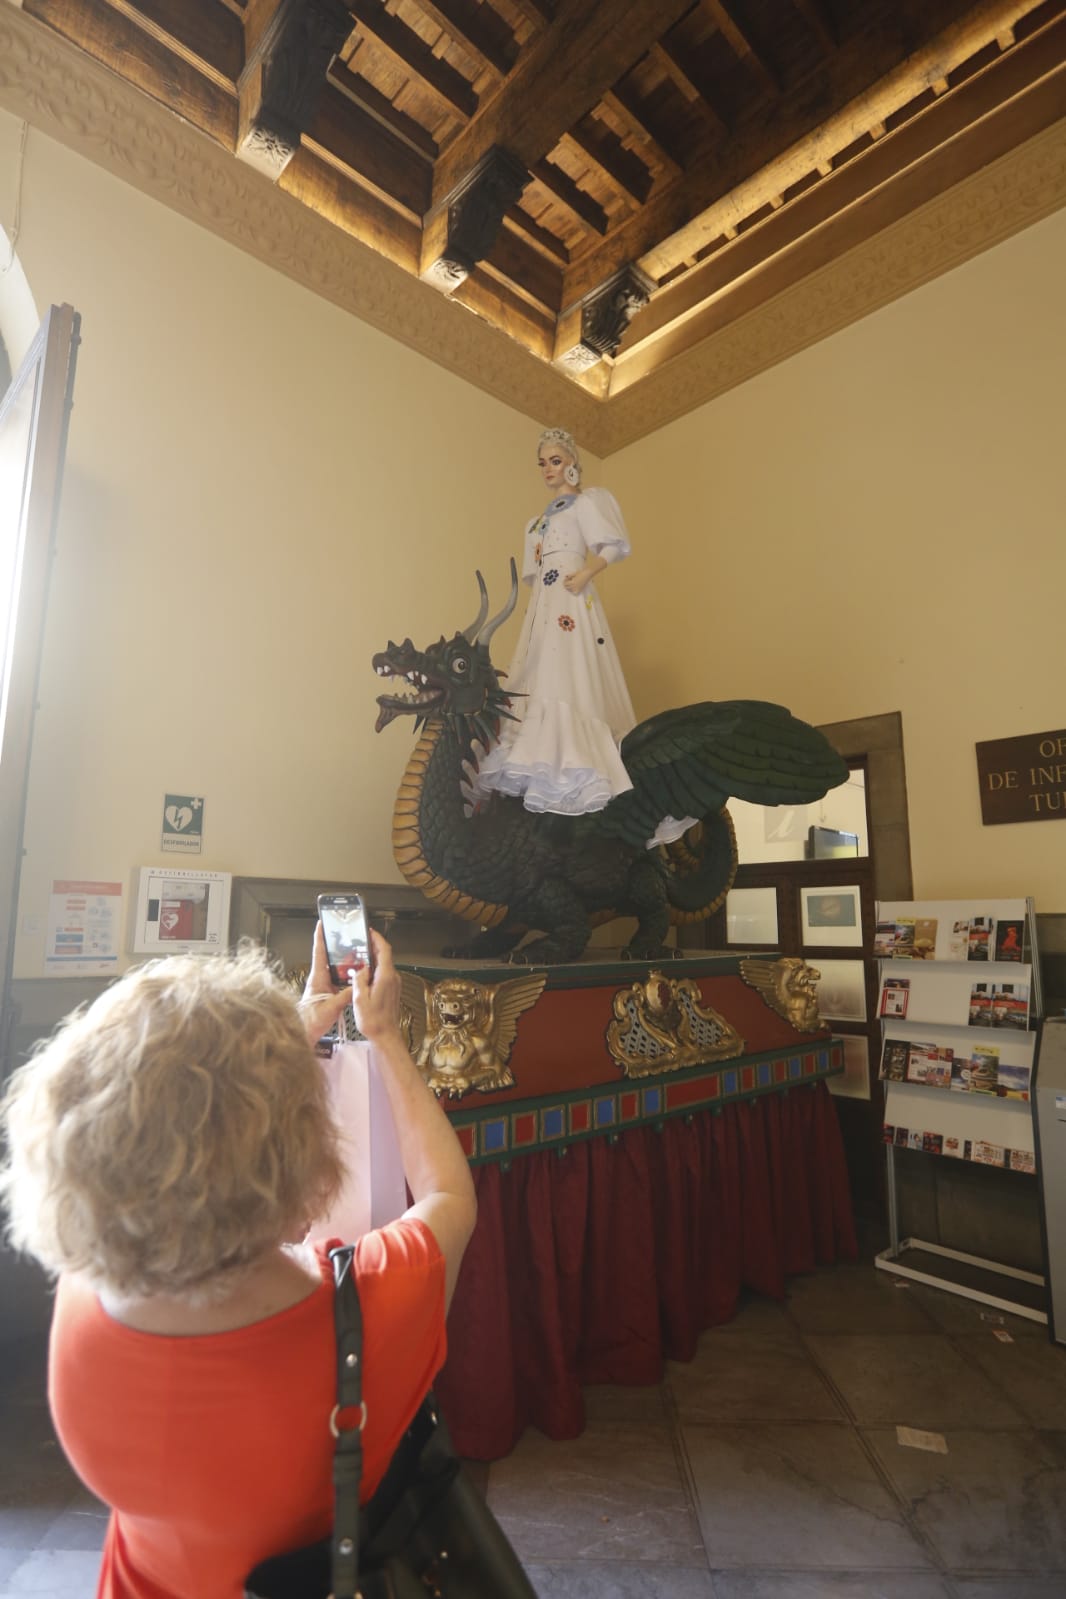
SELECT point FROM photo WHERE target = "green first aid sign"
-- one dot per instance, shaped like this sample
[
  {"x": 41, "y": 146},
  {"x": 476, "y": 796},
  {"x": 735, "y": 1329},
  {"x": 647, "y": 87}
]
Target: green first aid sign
[{"x": 183, "y": 823}]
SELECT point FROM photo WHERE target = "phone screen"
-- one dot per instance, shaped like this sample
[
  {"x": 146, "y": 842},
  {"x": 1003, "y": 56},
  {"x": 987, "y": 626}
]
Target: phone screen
[{"x": 344, "y": 926}]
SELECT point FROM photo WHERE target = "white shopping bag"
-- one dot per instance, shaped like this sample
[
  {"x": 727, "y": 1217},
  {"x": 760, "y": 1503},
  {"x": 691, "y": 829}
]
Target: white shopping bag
[{"x": 374, "y": 1192}]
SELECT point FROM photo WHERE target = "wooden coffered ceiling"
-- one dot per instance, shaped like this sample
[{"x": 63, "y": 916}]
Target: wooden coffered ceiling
[{"x": 609, "y": 184}]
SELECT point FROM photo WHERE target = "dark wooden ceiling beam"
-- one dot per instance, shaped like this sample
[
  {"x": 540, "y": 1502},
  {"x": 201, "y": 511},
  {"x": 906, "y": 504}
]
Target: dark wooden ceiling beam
[
  {"x": 742, "y": 45},
  {"x": 412, "y": 55},
  {"x": 204, "y": 35},
  {"x": 563, "y": 189},
  {"x": 624, "y": 108},
  {"x": 351, "y": 138},
  {"x": 625, "y": 172},
  {"x": 561, "y": 75},
  {"x": 936, "y": 147},
  {"x": 542, "y": 239},
  {"x": 680, "y": 75},
  {"x": 538, "y": 12},
  {"x": 471, "y": 26},
  {"x": 363, "y": 94},
  {"x": 143, "y": 60},
  {"x": 854, "y": 69},
  {"x": 284, "y": 78},
  {"x": 817, "y": 15},
  {"x": 951, "y": 140}
]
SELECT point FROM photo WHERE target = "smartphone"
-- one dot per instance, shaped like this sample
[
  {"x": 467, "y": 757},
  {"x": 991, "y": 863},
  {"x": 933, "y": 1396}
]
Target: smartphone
[{"x": 344, "y": 926}]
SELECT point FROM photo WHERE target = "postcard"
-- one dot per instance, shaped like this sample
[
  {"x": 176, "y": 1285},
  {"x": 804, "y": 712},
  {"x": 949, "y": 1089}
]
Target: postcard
[
  {"x": 988, "y": 1154},
  {"x": 1022, "y": 1160},
  {"x": 980, "y": 1014},
  {"x": 958, "y": 943},
  {"x": 1010, "y": 1005},
  {"x": 894, "y": 996},
  {"x": 984, "y": 1070},
  {"x": 885, "y": 940},
  {"x": 961, "y": 1074},
  {"x": 925, "y": 938},
  {"x": 1012, "y": 1082},
  {"x": 933, "y": 1143},
  {"x": 929, "y": 1064},
  {"x": 894, "y": 1059},
  {"x": 980, "y": 938},
  {"x": 952, "y": 1146},
  {"x": 1009, "y": 939}
]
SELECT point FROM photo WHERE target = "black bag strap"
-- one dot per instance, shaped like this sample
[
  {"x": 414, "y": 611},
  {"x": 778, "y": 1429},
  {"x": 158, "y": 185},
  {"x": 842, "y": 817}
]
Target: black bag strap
[{"x": 348, "y": 1433}]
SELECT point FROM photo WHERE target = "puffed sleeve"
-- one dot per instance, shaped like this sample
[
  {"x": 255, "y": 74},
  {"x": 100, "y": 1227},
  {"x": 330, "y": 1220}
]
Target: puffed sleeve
[
  {"x": 530, "y": 544},
  {"x": 602, "y": 526}
]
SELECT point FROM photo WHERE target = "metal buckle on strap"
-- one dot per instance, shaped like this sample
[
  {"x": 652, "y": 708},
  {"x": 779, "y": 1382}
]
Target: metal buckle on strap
[{"x": 335, "y": 1413}]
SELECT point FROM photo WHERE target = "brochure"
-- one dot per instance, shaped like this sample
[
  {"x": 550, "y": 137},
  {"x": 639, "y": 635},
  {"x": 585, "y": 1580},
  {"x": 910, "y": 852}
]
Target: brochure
[
  {"x": 1009, "y": 940},
  {"x": 894, "y": 996}
]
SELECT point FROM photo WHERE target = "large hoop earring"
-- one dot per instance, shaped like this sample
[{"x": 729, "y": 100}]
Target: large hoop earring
[{"x": 572, "y": 474}]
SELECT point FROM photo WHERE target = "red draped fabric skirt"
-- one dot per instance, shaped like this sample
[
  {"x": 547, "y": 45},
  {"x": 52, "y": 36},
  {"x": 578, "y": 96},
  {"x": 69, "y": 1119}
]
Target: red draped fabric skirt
[{"x": 597, "y": 1265}]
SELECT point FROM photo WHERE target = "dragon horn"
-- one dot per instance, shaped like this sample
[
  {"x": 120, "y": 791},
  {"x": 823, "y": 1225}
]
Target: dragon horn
[
  {"x": 470, "y": 633},
  {"x": 490, "y": 627}
]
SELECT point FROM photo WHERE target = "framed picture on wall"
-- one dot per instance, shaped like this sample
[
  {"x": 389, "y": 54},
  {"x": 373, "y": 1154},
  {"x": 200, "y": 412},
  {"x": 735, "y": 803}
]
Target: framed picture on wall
[{"x": 831, "y": 917}]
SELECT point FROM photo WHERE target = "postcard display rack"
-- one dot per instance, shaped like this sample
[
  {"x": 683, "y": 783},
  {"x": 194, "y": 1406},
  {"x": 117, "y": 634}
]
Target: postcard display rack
[{"x": 959, "y": 1001}]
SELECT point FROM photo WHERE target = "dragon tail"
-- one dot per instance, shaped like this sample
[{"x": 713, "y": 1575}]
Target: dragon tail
[{"x": 701, "y": 868}]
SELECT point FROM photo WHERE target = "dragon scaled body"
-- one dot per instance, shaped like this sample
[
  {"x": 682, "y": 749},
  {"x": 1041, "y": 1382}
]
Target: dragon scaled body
[{"x": 512, "y": 871}]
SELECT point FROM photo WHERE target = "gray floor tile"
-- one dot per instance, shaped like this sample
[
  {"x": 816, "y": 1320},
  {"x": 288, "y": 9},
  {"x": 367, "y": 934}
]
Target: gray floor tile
[
  {"x": 795, "y": 1498},
  {"x": 1012, "y": 1587},
  {"x": 54, "y": 1574},
  {"x": 613, "y": 1580},
  {"x": 995, "y": 1502},
  {"x": 751, "y": 1377},
  {"x": 756, "y": 1314},
  {"x": 612, "y": 1494},
  {"x": 954, "y": 1313},
  {"x": 1030, "y": 1372},
  {"x": 828, "y": 1585},
  {"x": 855, "y": 1299},
  {"x": 921, "y": 1381},
  {"x": 82, "y": 1525},
  {"x": 607, "y": 1405}
]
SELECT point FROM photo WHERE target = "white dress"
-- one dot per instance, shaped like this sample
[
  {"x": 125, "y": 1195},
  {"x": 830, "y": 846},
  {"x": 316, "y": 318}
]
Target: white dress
[{"x": 562, "y": 753}]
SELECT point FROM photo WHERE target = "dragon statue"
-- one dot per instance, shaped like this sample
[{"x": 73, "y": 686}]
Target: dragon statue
[{"x": 513, "y": 871}]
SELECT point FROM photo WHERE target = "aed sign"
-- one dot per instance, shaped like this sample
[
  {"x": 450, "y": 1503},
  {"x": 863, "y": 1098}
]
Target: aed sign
[{"x": 1023, "y": 779}]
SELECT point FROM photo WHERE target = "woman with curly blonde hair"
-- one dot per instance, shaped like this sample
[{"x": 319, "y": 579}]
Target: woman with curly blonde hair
[{"x": 167, "y": 1150}]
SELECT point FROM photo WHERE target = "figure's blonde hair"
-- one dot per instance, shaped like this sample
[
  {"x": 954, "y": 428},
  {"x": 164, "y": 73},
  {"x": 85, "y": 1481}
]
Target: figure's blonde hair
[{"x": 171, "y": 1134}]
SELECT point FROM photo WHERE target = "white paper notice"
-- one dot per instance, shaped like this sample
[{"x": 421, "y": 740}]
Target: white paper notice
[
  {"x": 914, "y": 1438},
  {"x": 83, "y": 927}
]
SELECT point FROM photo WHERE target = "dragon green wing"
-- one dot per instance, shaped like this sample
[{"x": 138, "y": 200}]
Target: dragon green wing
[{"x": 690, "y": 761}]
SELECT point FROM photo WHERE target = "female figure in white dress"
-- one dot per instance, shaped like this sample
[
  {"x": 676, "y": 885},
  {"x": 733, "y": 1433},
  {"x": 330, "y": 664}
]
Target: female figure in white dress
[{"x": 570, "y": 697}]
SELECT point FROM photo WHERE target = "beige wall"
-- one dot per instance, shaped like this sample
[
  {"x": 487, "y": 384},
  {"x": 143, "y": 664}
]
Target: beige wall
[
  {"x": 877, "y": 525},
  {"x": 261, "y": 490}
]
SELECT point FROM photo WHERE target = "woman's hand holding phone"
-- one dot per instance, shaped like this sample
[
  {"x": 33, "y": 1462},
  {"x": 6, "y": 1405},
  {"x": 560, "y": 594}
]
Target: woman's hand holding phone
[
  {"x": 376, "y": 993},
  {"x": 322, "y": 1005}
]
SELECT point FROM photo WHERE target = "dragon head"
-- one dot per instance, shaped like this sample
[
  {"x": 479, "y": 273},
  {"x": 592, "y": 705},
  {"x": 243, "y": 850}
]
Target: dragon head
[{"x": 453, "y": 678}]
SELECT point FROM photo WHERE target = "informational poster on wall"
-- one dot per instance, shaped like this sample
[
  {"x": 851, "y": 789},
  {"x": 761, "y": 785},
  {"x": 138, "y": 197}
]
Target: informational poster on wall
[{"x": 84, "y": 927}]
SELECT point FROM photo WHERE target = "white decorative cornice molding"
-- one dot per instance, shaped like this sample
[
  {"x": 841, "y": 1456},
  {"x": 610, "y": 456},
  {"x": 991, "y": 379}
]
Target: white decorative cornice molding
[{"x": 75, "y": 100}]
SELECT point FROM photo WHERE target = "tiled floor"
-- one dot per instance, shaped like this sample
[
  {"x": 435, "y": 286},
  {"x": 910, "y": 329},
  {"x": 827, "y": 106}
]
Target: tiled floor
[{"x": 769, "y": 1468}]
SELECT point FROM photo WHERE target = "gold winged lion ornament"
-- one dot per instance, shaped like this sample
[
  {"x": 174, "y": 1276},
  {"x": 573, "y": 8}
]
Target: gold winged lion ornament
[{"x": 461, "y": 1032}]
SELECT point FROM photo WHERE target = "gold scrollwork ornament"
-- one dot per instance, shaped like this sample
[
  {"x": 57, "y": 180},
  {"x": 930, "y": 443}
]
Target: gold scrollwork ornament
[
  {"x": 790, "y": 987},
  {"x": 461, "y": 1032},
  {"x": 661, "y": 1025}
]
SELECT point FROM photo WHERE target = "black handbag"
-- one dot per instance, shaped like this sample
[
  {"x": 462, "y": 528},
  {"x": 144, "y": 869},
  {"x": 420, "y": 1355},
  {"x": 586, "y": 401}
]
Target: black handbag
[{"x": 426, "y": 1530}]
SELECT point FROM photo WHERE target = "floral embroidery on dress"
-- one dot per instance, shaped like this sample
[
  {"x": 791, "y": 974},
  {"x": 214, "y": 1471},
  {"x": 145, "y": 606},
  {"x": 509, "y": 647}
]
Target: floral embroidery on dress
[
  {"x": 549, "y": 577},
  {"x": 536, "y": 553},
  {"x": 567, "y": 624}
]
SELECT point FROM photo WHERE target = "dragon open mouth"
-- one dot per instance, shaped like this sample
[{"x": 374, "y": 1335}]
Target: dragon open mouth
[{"x": 425, "y": 694}]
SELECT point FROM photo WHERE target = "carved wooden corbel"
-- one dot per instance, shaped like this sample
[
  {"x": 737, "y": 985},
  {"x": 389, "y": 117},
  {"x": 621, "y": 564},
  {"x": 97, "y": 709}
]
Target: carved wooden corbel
[
  {"x": 283, "y": 78},
  {"x": 596, "y": 325},
  {"x": 462, "y": 230}
]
